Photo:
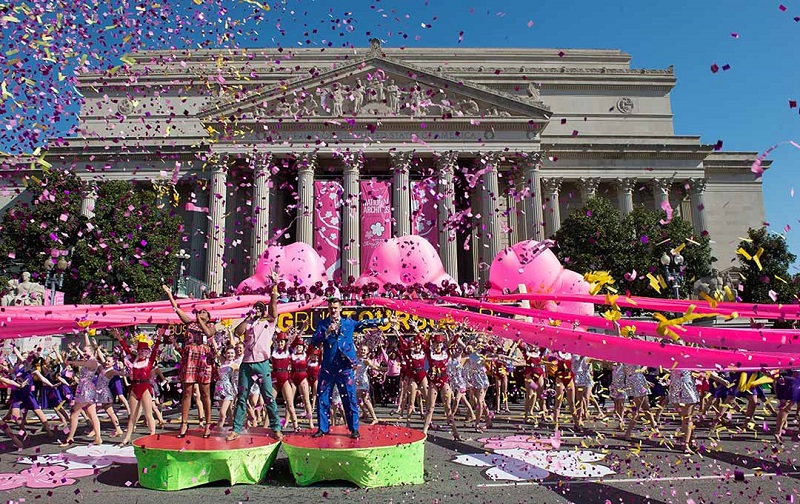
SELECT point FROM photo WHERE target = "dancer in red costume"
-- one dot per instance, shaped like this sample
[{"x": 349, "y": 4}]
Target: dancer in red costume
[
  {"x": 281, "y": 377},
  {"x": 299, "y": 375},
  {"x": 313, "y": 368},
  {"x": 439, "y": 382},
  {"x": 416, "y": 356},
  {"x": 141, "y": 393}
]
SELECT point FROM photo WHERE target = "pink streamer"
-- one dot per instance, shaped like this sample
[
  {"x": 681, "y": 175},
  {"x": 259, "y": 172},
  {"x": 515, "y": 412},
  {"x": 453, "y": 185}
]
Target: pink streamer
[
  {"x": 771, "y": 341},
  {"x": 21, "y": 322},
  {"x": 599, "y": 346},
  {"x": 753, "y": 310}
]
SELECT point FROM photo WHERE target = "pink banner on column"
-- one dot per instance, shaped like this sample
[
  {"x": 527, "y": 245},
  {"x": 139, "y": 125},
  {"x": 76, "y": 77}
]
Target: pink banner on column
[
  {"x": 376, "y": 217},
  {"x": 423, "y": 211},
  {"x": 328, "y": 225}
]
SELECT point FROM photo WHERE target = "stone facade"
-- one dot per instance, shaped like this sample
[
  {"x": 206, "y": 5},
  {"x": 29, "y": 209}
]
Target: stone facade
[{"x": 248, "y": 133}]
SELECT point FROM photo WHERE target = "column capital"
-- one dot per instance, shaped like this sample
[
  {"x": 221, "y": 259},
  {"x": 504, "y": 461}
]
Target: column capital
[
  {"x": 307, "y": 161},
  {"x": 552, "y": 185},
  {"x": 532, "y": 160},
  {"x": 627, "y": 184},
  {"x": 446, "y": 161},
  {"x": 351, "y": 161},
  {"x": 661, "y": 184},
  {"x": 491, "y": 158},
  {"x": 588, "y": 187},
  {"x": 401, "y": 160},
  {"x": 698, "y": 185}
]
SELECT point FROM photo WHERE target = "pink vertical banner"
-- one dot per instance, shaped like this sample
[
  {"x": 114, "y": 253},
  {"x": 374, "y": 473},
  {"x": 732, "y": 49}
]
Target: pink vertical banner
[
  {"x": 328, "y": 225},
  {"x": 376, "y": 217},
  {"x": 424, "y": 211}
]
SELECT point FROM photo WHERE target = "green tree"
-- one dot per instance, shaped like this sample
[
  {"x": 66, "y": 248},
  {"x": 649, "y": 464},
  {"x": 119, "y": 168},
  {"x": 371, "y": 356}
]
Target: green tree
[
  {"x": 129, "y": 246},
  {"x": 774, "y": 276},
  {"x": 50, "y": 223},
  {"x": 596, "y": 238}
]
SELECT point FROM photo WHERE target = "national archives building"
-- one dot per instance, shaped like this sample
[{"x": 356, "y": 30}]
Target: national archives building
[{"x": 474, "y": 149}]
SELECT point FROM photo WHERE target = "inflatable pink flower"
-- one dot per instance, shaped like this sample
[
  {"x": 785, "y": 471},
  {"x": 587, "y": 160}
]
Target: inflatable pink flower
[
  {"x": 296, "y": 264},
  {"x": 407, "y": 260},
  {"x": 534, "y": 265}
]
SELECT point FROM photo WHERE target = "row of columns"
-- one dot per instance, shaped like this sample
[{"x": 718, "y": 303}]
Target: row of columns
[{"x": 539, "y": 196}]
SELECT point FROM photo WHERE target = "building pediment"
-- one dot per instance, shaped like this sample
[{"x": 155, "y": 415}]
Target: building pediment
[{"x": 379, "y": 87}]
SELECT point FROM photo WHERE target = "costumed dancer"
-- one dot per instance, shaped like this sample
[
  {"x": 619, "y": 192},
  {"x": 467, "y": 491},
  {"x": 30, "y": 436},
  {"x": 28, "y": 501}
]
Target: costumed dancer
[
  {"x": 103, "y": 398},
  {"x": 561, "y": 364},
  {"x": 458, "y": 382},
  {"x": 584, "y": 382},
  {"x": 299, "y": 373},
  {"x": 3, "y": 425},
  {"x": 312, "y": 368},
  {"x": 439, "y": 383},
  {"x": 23, "y": 397},
  {"x": 363, "y": 368},
  {"x": 197, "y": 360},
  {"x": 335, "y": 334},
  {"x": 477, "y": 384},
  {"x": 225, "y": 389},
  {"x": 85, "y": 393},
  {"x": 141, "y": 394},
  {"x": 618, "y": 390},
  {"x": 418, "y": 377},
  {"x": 787, "y": 388},
  {"x": 117, "y": 384},
  {"x": 683, "y": 395},
  {"x": 639, "y": 390},
  {"x": 534, "y": 374},
  {"x": 258, "y": 329},
  {"x": 281, "y": 361}
]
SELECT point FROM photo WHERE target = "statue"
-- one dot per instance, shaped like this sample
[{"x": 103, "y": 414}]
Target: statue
[
  {"x": 393, "y": 95},
  {"x": 24, "y": 293},
  {"x": 534, "y": 92},
  {"x": 358, "y": 93},
  {"x": 338, "y": 101}
]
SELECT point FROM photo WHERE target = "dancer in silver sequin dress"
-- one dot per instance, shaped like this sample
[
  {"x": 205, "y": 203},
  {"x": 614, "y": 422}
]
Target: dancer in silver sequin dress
[
  {"x": 638, "y": 388},
  {"x": 683, "y": 395}
]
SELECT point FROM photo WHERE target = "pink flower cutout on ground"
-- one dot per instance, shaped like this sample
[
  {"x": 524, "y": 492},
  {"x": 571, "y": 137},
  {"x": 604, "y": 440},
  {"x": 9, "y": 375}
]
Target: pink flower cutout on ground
[
  {"x": 521, "y": 441},
  {"x": 43, "y": 477}
]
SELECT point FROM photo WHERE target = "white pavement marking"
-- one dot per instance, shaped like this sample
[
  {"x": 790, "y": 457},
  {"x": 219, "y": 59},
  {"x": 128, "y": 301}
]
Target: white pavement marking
[{"x": 630, "y": 480}]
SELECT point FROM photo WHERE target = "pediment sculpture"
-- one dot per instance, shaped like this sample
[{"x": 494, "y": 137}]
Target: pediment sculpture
[{"x": 24, "y": 293}]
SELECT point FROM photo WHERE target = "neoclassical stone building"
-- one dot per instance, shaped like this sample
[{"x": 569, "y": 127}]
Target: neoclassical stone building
[{"x": 473, "y": 148}]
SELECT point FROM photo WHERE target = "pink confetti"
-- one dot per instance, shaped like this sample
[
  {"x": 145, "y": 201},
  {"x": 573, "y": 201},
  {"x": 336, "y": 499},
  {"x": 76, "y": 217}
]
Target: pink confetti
[
  {"x": 782, "y": 8},
  {"x": 530, "y": 24},
  {"x": 714, "y": 68}
]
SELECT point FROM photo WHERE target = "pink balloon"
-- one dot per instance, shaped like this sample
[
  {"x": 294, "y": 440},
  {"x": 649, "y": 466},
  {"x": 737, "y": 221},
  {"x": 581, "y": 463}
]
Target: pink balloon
[
  {"x": 571, "y": 282},
  {"x": 528, "y": 262},
  {"x": 406, "y": 260},
  {"x": 534, "y": 265},
  {"x": 297, "y": 263}
]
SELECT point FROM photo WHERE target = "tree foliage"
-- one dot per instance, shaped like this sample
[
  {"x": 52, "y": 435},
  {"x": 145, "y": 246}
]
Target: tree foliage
[
  {"x": 772, "y": 283},
  {"x": 129, "y": 249},
  {"x": 50, "y": 223},
  {"x": 596, "y": 238},
  {"x": 123, "y": 254}
]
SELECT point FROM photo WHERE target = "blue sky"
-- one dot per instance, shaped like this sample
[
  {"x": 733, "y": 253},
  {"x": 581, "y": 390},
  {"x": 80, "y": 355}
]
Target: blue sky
[{"x": 747, "y": 107}]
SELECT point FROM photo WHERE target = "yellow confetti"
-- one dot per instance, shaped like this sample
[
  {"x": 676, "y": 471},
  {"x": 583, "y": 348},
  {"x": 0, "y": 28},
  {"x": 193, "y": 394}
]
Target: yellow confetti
[
  {"x": 128, "y": 60},
  {"x": 677, "y": 250},
  {"x": 654, "y": 284}
]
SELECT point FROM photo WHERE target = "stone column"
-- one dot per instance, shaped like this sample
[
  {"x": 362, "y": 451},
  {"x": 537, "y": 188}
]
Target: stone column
[
  {"x": 490, "y": 214},
  {"x": 661, "y": 192},
  {"x": 88, "y": 202},
  {"x": 697, "y": 188},
  {"x": 534, "y": 218},
  {"x": 625, "y": 187},
  {"x": 351, "y": 215},
  {"x": 588, "y": 187},
  {"x": 261, "y": 232},
  {"x": 401, "y": 192},
  {"x": 552, "y": 217},
  {"x": 445, "y": 166},
  {"x": 215, "y": 236},
  {"x": 512, "y": 219},
  {"x": 200, "y": 230},
  {"x": 305, "y": 198}
]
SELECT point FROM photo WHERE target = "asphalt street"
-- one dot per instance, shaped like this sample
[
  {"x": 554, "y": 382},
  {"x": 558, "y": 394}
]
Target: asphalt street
[{"x": 741, "y": 466}]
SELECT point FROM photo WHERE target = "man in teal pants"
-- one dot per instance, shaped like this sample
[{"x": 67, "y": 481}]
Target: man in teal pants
[{"x": 258, "y": 329}]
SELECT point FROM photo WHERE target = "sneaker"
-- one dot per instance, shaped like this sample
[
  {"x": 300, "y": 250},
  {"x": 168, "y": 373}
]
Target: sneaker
[
  {"x": 355, "y": 435},
  {"x": 318, "y": 434}
]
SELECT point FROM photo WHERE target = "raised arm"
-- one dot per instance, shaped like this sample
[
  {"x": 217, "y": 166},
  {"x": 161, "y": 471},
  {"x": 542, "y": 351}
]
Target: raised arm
[
  {"x": 42, "y": 378},
  {"x": 185, "y": 318},
  {"x": 115, "y": 332},
  {"x": 272, "y": 309}
]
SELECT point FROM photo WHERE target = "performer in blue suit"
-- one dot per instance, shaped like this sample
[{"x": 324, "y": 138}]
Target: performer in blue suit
[{"x": 338, "y": 361}]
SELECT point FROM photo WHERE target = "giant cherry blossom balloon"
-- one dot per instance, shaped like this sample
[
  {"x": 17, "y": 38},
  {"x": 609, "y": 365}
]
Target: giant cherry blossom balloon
[
  {"x": 407, "y": 260},
  {"x": 534, "y": 265},
  {"x": 296, "y": 264}
]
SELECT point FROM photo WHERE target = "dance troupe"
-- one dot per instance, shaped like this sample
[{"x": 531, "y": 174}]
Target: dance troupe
[{"x": 335, "y": 374}]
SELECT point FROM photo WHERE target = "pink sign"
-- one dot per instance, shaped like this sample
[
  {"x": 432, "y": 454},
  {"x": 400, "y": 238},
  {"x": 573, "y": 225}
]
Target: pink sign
[
  {"x": 376, "y": 217},
  {"x": 327, "y": 225},
  {"x": 423, "y": 211}
]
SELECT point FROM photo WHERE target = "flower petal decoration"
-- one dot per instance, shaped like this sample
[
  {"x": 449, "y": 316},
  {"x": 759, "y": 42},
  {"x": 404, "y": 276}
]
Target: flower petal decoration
[
  {"x": 43, "y": 477},
  {"x": 66, "y": 460},
  {"x": 104, "y": 454}
]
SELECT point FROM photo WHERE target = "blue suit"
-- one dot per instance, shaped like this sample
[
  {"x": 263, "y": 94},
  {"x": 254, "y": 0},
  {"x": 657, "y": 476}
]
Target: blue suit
[{"x": 338, "y": 361}]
